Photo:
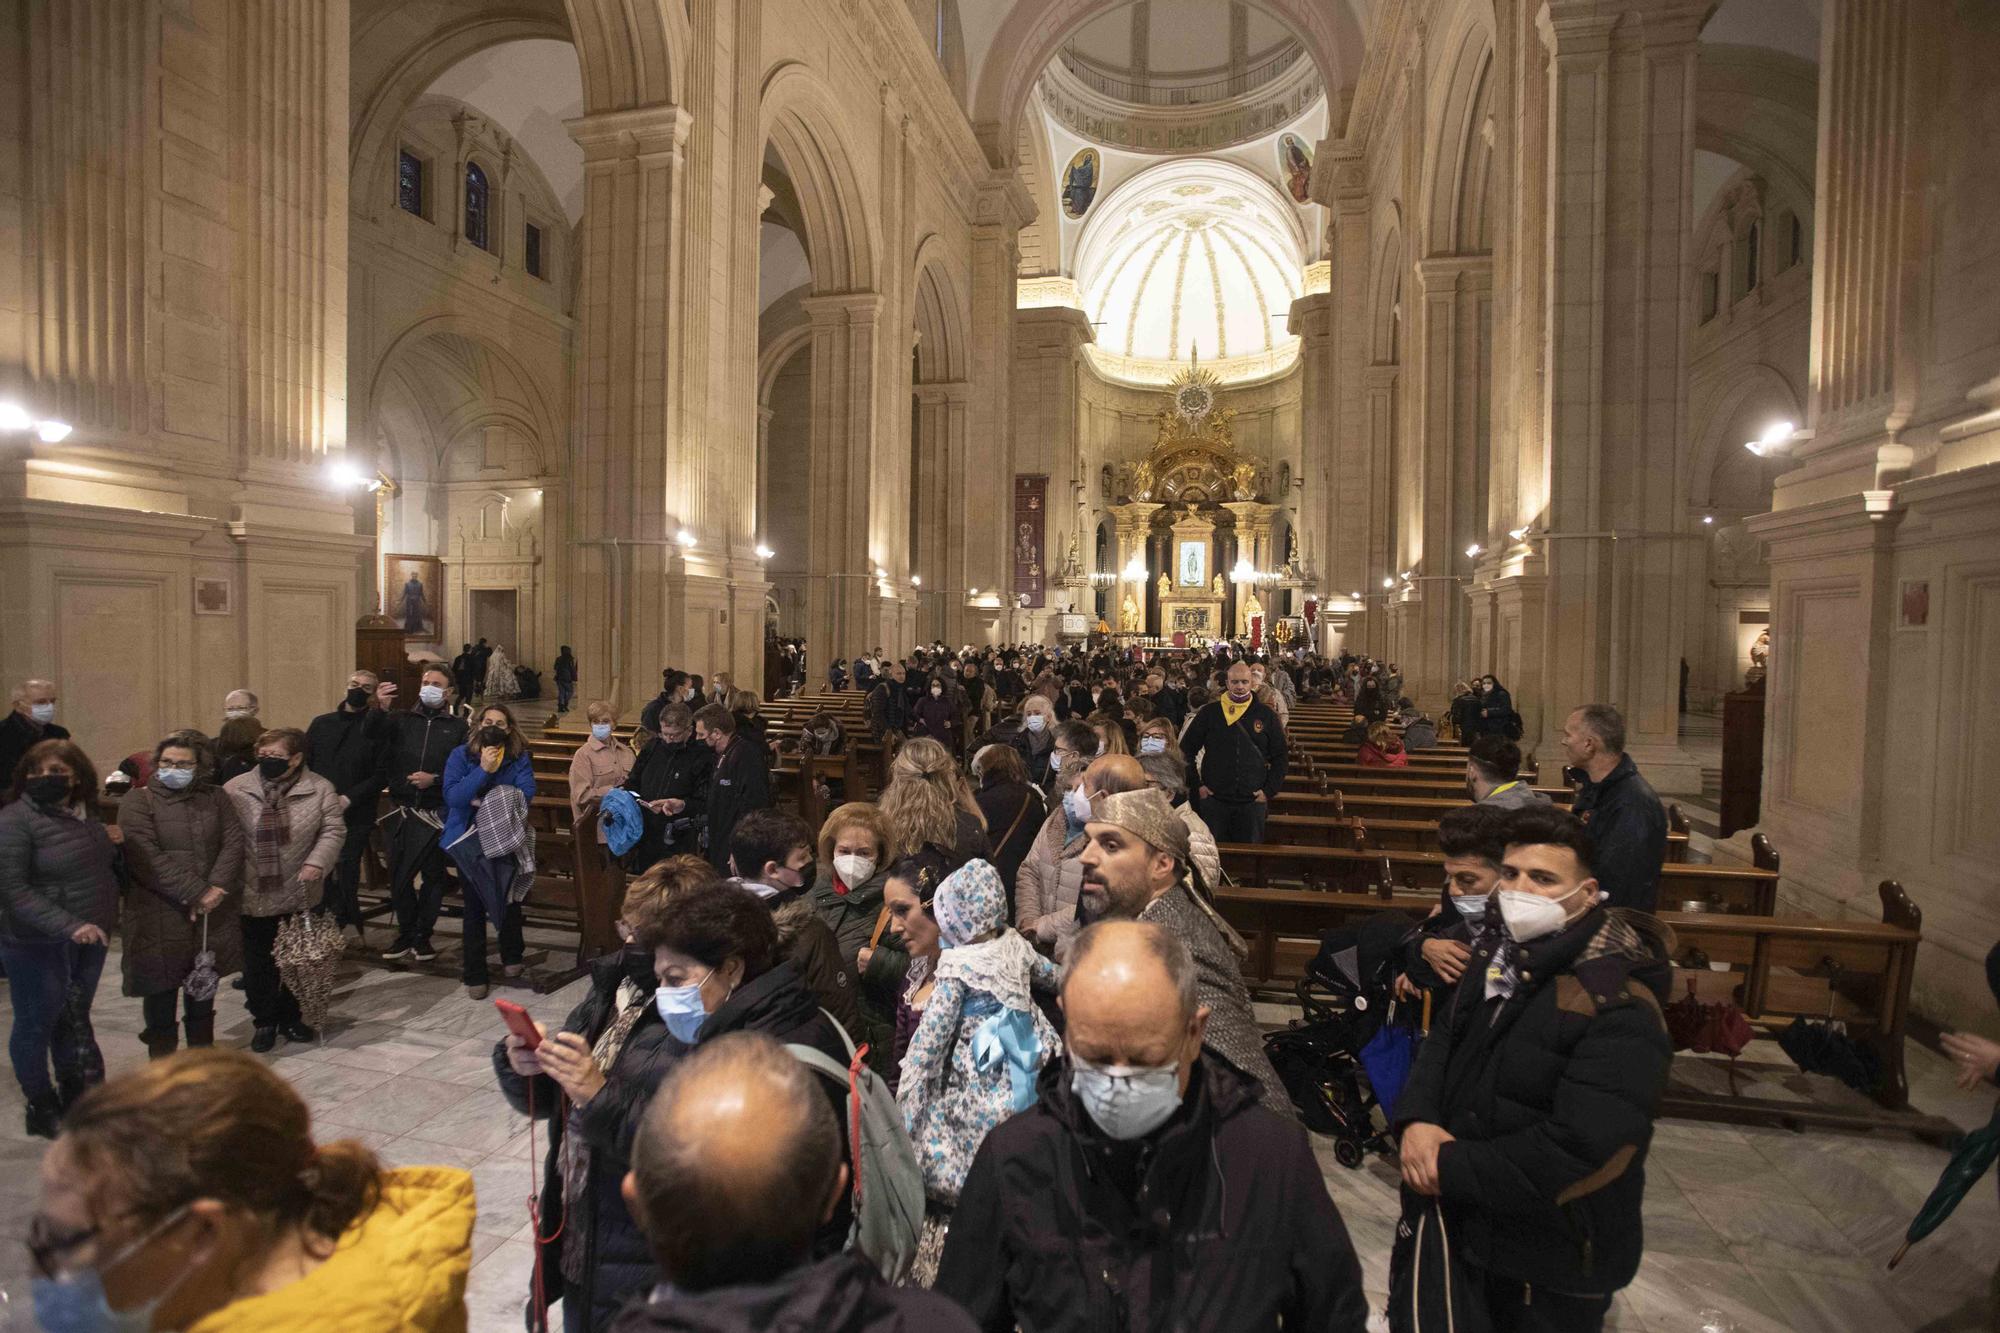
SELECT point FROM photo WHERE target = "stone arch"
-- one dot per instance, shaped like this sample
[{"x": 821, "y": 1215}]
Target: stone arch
[
  {"x": 1385, "y": 302},
  {"x": 541, "y": 416},
  {"x": 1457, "y": 150},
  {"x": 1713, "y": 439},
  {"x": 1761, "y": 108},
  {"x": 633, "y": 54},
  {"x": 797, "y": 116},
  {"x": 1036, "y": 29},
  {"x": 941, "y": 323}
]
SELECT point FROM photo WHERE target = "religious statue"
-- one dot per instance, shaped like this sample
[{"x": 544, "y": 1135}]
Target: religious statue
[
  {"x": 1218, "y": 585},
  {"x": 1246, "y": 481},
  {"x": 1142, "y": 479},
  {"x": 1760, "y": 660},
  {"x": 1166, "y": 587},
  {"x": 1128, "y": 616}
]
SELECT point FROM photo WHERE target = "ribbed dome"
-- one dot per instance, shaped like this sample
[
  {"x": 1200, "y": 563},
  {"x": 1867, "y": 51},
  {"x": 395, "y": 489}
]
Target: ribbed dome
[{"x": 1191, "y": 257}]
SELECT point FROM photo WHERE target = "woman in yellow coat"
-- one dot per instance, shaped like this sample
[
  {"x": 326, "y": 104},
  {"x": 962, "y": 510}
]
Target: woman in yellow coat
[{"x": 189, "y": 1195}]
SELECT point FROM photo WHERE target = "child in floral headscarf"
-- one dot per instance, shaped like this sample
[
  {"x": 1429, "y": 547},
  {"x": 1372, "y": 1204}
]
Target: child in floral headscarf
[{"x": 982, "y": 1042}]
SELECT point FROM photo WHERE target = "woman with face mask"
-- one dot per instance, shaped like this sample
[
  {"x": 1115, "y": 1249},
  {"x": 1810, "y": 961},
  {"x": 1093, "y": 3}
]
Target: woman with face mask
[
  {"x": 189, "y": 1194},
  {"x": 1032, "y": 734},
  {"x": 184, "y": 857},
  {"x": 495, "y": 754},
  {"x": 61, "y": 902},
  {"x": 853, "y": 852},
  {"x": 293, "y": 830},
  {"x": 935, "y": 714},
  {"x": 591, "y": 1081},
  {"x": 599, "y": 764}
]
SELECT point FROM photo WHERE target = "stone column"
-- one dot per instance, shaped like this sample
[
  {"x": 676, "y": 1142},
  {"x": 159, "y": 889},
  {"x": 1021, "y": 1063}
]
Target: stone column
[
  {"x": 1352, "y": 497},
  {"x": 940, "y": 497},
  {"x": 845, "y": 599},
  {"x": 1134, "y": 523},
  {"x": 984, "y": 494},
  {"x": 1370, "y": 632},
  {"x": 1048, "y": 351}
]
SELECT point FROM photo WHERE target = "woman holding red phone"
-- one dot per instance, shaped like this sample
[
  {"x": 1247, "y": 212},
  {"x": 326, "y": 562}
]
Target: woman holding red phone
[{"x": 591, "y": 1081}]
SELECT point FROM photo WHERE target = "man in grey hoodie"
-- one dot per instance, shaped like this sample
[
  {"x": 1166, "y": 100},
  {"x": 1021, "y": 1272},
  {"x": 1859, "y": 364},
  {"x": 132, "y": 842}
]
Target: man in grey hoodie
[{"x": 1492, "y": 775}]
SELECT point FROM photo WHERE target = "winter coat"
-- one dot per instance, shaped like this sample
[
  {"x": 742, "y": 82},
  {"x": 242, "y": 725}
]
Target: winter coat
[
  {"x": 851, "y": 916},
  {"x": 840, "y": 1294},
  {"x": 937, "y": 717},
  {"x": 596, "y": 768},
  {"x": 1236, "y": 762},
  {"x": 465, "y": 782},
  {"x": 346, "y": 749},
  {"x": 400, "y": 1269},
  {"x": 18, "y": 735},
  {"x": 742, "y": 783},
  {"x": 618, "y": 1261},
  {"x": 1034, "y": 747},
  {"x": 1550, "y": 1096},
  {"x": 1002, "y": 803},
  {"x": 1232, "y": 1024},
  {"x": 1496, "y": 712},
  {"x": 1628, "y": 826},
  {"x": 1370, "y": 755},
  {"x": 56, "y": 873},
  {"x": 177, "y": 845},
  {"x": 312, "y": 808},
  {"x": 664, "y": 772},
  {"x": 814, "y": 952},
  {"x": 1420, "y": 733},
  {"x": 1050, "y": 883},
  {"x": 420, "y": 741},
  {"x": 1217, "y": 1220},
  {"x": 887, "y": 708}
]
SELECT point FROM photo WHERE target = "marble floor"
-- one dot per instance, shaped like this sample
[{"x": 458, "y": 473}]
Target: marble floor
[{"x": 1767, "y": 1229}]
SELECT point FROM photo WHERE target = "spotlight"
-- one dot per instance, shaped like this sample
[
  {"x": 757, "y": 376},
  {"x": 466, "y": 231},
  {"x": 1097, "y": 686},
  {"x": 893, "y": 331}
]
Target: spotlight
[
  {"x": 916, "y": 580},
  {"x": 1517, "y": 533},
  {"x": 1472, "y": 551},
  {"x": 1708, "y": 518},
  {"x": 347, "y": 475},
  {"x": 684, "y": 537},
  {"x": 764, "y": 552},
  {"x": 1388, "y": 582},
  {"x": 1355, "y": 595},
  {"x": 53, "y": 432},
  {"x": 13, "y": 416}
]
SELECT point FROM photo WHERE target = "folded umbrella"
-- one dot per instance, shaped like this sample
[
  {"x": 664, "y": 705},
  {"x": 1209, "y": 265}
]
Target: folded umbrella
[
  {"x": 202, "y": 979},
  {"x": 308, "y": 949},
  {"x": 1974, "y": 1154}
]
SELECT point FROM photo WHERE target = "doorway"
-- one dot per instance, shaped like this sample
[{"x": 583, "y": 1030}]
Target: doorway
[{"x": 495, "y": 618}]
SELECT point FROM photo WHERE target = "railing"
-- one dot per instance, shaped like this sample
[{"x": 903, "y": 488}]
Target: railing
[{"x": 1183, "y": 94}]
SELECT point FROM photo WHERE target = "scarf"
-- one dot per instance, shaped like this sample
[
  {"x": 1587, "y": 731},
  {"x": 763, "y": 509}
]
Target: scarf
[
  {"x": 273, "y": 831},
  {"x": 573, "y": 1165},
  {"x": 1232, "y": 712}
]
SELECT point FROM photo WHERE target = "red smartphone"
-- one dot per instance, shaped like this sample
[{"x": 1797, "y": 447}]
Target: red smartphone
[{"x": 519, "y": 1023}]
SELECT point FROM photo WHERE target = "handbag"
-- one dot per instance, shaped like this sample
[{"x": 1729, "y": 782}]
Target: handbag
[{"x": 1430, "y": 1288}]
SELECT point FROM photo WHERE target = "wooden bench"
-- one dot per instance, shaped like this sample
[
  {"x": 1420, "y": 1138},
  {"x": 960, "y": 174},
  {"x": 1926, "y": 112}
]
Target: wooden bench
[{"x": 1412, "y": 835}]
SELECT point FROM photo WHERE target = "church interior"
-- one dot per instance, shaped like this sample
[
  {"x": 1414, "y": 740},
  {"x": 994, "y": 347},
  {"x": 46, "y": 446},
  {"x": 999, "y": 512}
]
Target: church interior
[{"x": 1632, "y": 351}]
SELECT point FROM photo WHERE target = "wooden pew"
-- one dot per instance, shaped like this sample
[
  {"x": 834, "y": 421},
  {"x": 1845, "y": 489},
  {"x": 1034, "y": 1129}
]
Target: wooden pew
[{"x": 1411, "y": 835}]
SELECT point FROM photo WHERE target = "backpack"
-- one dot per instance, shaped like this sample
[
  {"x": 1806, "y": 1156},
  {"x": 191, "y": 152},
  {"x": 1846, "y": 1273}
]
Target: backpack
[{"x": 887, "y": 1190}]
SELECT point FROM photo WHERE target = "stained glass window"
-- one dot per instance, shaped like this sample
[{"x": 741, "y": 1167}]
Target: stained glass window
[
  {"x": 534, "y": 251},
  {"x": 410, "y": 183},
  {"x": 476, "y": 215}
]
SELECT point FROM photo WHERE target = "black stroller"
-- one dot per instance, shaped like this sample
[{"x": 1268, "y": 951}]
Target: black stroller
[{"x": 1344, "y": 997}]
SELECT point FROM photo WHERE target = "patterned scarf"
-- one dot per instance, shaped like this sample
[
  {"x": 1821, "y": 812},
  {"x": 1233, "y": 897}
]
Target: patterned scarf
[
  {"x": 273, "y": 831},
  {"x": 574, "y": 1163},
  {"x": 1503, "y": 974}
]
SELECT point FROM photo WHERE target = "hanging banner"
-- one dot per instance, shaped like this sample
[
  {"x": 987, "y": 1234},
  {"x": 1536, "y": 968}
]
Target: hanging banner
[{"x": 1030, "y": 515}]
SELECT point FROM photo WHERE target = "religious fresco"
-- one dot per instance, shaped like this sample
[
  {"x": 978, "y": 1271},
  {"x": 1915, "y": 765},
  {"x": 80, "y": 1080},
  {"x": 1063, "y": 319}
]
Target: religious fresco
[
  {"x": 1295, "y": 164},
  {"x": 1080, "y": 180}
]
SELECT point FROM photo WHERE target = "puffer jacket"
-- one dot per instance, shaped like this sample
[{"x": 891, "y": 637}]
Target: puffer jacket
[
  {"x": 312, "y": 807},
  {"x": 851, "y": 916},
  {"x": 177, "y": 845},
  {"x": 56, "y": 873},
  {"x": 1550, "y": 1096},
  {"x": 400, "y": 1269},
  {"x": 810, "y": 943},
  {"x": 618, "y": 1261},
  {"x": 843, "y": 1292},
  {"x": 1050, "y": 883}
]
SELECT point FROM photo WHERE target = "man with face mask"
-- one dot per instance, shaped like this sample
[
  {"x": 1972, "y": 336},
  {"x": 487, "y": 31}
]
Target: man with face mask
[
  {"x": 742, "y": 781},
  {"x": 671, "y": 778},
  {"x": 418, "y": 745},
  {"x": 28, "y": 723},
  {"x": 887, "y": 706},
  {"x": 771, "y": 855},
  {"x": 1433, "y": 957},
  {"x": 1237, "y": 746},
  {"x": 1139, "y": 1159},
  {"x": 345, "y": 748},
  {"x": 1530, "y": 1109}
]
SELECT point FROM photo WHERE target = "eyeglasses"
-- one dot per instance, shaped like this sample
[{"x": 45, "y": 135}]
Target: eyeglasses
[{"x": 176, "y": 768}]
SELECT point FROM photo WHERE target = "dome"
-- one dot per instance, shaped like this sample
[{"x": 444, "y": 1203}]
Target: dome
[{"x": 1192, "y": 258}]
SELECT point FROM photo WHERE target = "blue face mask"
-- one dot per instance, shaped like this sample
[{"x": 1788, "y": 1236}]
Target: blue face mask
[
  {"x": 174, "y": 779},
  {"x": 1472, "y": 906},
  {"x": 1152, "y": 745},
  {"x": 681, "y": 1010},
  {"x": 601, "y": 730},
  {"x": 75, "y": 1302}
]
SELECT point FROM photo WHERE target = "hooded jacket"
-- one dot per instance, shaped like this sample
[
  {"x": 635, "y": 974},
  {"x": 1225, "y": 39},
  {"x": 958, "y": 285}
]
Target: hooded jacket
[
  {"x": 841, "y": 1294},
  {"x": 1550, "y": 1096},
  {"x": 400, "y": 1269},
  {"x": 178, "y": 845},
  {"x": 1628, "y": 826},
  {"x": 1217, "y": 1220}
]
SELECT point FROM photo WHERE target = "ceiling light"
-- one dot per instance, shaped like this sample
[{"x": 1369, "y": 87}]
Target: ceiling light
[
  {"x": 764, "y": 552},
  {"x": 53, "y": 432},
  {"x": 13, "y": 416}
]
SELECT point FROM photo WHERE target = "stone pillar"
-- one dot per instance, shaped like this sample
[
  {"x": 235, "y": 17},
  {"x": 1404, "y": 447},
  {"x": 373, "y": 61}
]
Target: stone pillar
[
  {"x": 1312, "y": 323},
  {"x": 1135, "y": 523},
  {"x": 845, "y": 599},
  {"x": 984, "y": 494},
  {"x": 1351, "y": 495},
  {"x": 1370, "y": 632},
  {"x": 1621, "y": 90},
  {"x": 940, "y": 497},
  {"x": 1048, "y": 351}
]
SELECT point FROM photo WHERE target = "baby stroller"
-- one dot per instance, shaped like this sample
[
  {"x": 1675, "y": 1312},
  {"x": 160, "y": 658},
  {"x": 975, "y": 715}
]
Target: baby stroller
[{"x": 1343, "y": 999}]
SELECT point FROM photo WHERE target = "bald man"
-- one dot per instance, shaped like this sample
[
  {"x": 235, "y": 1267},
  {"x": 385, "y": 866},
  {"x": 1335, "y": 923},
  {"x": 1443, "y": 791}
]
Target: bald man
[
  {"x": 735, "y": 1166},
  {"x": 30, "y": 721},
  {"x": 1147, "y": 1188}
]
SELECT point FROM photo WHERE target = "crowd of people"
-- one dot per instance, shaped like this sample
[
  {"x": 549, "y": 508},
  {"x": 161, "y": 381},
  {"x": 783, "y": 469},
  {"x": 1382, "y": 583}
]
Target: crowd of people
[{"x": 976, "y": 1054}]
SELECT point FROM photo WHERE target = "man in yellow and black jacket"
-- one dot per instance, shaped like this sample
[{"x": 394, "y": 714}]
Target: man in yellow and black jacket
[{"x": 1237, "y": 746}]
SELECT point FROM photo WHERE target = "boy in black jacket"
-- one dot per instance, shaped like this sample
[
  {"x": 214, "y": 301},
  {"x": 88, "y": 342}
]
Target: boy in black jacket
[
  {"x": 1530, "y": 1109},
  {"x": 1242, "y": 760}
]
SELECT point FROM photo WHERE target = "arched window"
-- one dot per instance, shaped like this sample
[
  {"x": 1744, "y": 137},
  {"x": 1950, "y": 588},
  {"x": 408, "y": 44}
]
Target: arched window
[{"x": 477, "y": 218}]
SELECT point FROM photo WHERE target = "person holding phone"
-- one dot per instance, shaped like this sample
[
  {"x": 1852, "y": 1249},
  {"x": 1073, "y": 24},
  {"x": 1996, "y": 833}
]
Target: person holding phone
[
  {"x": 591, "y": 1080},
  {"x": 494, "y": 754}
]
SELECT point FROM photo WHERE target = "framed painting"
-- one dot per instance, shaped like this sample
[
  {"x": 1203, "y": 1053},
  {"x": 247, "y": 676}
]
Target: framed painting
[
  {"x": 1079, "y": 184},
  {"x": 413, "y": 595}
]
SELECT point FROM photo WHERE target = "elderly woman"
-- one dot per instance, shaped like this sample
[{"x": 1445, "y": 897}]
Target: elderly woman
[
  {"x": 61, "y": 902},
  {"x": 184, "y": 854},
  {"x": 495, "y": 754},
  {"x": 1050, "y": 882},
  {"x": 599, "y": 764},
  {"x": 601, "y": 1068},
  {"x": 1031, "y": 732},
  {"x": 975, "y": 1056},
  {"x": 190, "y": 1194},
  {"x": 293, "y": 830},
  {"x": 847, "y": 895},
  {"x": 928, "y": 803}
]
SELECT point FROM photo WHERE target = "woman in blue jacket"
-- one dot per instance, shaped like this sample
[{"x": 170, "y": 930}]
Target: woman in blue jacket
[{"x": 495, "y": 754}]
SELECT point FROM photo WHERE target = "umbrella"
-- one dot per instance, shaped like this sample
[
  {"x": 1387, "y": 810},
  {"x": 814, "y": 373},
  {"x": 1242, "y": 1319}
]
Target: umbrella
[
  {"x": 202, "y": 979},
  {"x": 1975, "y": 1153},
  {"x": 307, "y": 948}
]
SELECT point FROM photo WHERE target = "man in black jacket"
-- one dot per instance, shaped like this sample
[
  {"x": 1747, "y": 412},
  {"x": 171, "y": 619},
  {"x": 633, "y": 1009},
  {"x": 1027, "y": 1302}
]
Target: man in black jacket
[
  {"x": 1146, "y": 1189},
  {"x": 1242, "y": 760},
  {"x": 736, "y": 1164},
  {"x": 671, "y": 778},
  {"x": 413, "y": 760},
  {"x": 887, "y": 706},
  {"x": 1531, "y": 1106},
  {"x": 742, "y": 781},
  {"x": 1627, "y": 823},
  {"x": 30, "y": 721},
  {"x": 345, "y": 748}
]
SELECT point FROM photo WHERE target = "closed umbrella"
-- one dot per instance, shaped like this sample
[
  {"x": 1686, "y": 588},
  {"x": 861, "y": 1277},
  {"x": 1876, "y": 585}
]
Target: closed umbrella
[
  {"x": 1961, "y": 1173},
  {"x": 202, "y": 979},
  {"x": 308, "y": 950}
]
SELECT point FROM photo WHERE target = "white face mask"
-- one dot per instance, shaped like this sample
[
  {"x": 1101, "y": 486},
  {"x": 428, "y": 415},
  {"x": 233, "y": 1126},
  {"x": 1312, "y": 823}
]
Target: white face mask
[
  {"x": 1529, "y": 916},
  {"x": 431, "y": 696},
  {"x": 853, "y": 869},
  {"x": 231, "y": 714},
  {"x": 1034, "y": 722},
  {"x": 1472, "y": 906},
  {"x": 1077, "y": 806},
  {"x": 1152, "y": 745},
  {"x": 1125, "y": 1102},
  {"x": 1055, "y": 761},
  {"x": 42, "y": 713}
]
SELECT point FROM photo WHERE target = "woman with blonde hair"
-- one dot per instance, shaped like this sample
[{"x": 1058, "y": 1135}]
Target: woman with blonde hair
[
  {"x": 1110, "y": 734},
  {"x": 189, "y": 1194},
  {"x": 1382, "y": 749},
  {"x": 929, "y": 803},
  {"x": 854, "y": 854}
]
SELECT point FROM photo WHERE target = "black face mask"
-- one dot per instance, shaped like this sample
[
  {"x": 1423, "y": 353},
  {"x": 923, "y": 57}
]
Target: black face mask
[
  {"x": 492, "y": 736},
  {"x": 48, "y": 789},
  {"x": 357, "y": 697},
  {"x": 271, "y": 767}
]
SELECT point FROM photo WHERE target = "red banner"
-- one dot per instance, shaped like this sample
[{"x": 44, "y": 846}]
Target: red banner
[{"x": 1030, "y": 522}]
